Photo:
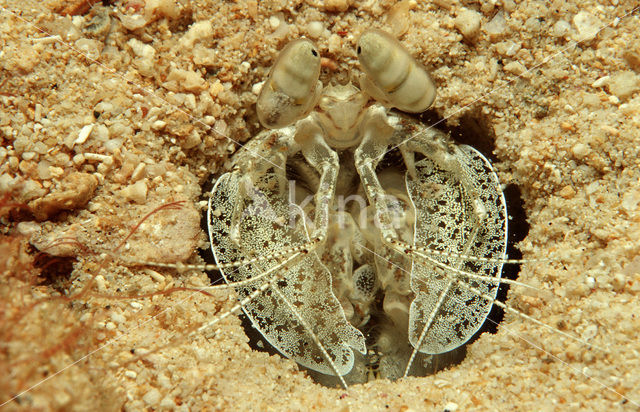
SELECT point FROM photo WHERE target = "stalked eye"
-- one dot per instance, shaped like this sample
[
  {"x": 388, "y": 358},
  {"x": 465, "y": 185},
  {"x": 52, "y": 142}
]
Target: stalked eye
[
  {"x": 292, "y": 88},
  {"x": 393, "y": 76}
]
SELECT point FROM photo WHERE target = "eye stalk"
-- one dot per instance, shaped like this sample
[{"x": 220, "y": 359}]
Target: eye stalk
[
  {"x": 292, "y": 87},
  {"x": 392, "y": 75}
]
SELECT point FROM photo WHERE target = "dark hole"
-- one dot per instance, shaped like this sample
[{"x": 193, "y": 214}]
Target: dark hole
[
  {"x": 55, "y": 271},
  {"x": 314, "y": 52},
  {"x": 359, "y": 50}
]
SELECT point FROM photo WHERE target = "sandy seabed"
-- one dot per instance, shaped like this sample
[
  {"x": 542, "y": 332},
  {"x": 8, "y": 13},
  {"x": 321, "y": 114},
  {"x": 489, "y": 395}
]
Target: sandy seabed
[{"x": 108, "y": 112}]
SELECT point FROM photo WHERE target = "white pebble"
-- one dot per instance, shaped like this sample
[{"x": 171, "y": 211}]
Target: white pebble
[
  {"x": 198, "y": 31},
  {"x": 133, "y": 22},
  {"x": 274, "y": 22},
  {"x": 140, "y": 49},
  {"x": 84, "y": 134},
  {"x": 560, "y": 29},
  {"x": 158, "y": 124},
  {"x": 468, "y": 23},
  {"x": 139, "y": 172},
  {"x": 99, "y": 158},
  {"x": 507, "y": 48},
  {"x": 118, "y": 317},
  {"x": 77, "y": 21},
  {"x": 623, "y": 84},
  {"x": 580, "y": 150},
  {"x": 101, "y": 283},
  {"x": 102, "y": 132},
  {"x": 630, "y": 200},
  {"x": 315, "y": 29},
  {"x": 256, "y": 88},
  {"x": 619, "y": 281},
  {"x": 48, "y": 39},
  {"x": 78, "y": 159},
  {"x": 130, "y": 374},
  {"x": 152, "y": 397},
  {"x": 28, "y": 228},
  {"x": 112, "y": 145},
  {"x": 497, "y": 26},
  {"x": 451, "y": 407},
  {"x": 587, "y": 25},
  {"x": 136, "y": 192},
  {"x": 601, "y": 81},
  {"x": 37, "y": 115},
  {"x": 516, "y": 68},
  {"x": 28, "y": 155},
  {"x": 154, "y": 275},
  {"x": 167, "y": 403}
]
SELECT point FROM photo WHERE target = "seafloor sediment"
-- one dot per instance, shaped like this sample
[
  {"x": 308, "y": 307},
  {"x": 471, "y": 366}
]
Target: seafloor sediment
[{"x": 110, "y": 111}]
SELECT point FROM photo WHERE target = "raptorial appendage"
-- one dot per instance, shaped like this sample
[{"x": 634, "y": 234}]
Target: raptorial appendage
[{"x": 375, "y": 280}]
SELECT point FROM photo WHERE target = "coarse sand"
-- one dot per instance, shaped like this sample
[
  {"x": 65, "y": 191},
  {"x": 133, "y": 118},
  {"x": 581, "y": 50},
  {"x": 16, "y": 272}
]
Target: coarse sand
[{"x": 111, "y": 111}]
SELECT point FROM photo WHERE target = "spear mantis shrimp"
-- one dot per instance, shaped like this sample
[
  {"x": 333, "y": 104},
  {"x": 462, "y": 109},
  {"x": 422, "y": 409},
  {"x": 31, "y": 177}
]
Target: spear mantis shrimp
[{"x": 344, "y": 211}]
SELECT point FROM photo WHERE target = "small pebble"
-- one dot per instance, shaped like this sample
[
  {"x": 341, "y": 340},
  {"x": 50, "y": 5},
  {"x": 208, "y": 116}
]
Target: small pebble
[
  {"x": 152, "y": 397},
  {"x": 601, "y": 81},
  {"x": 78, "y": 159},
  {"x": 587, "y": 26},
  {"x": 468, "y": 23},
  {"x": 37, "y": 115},
  {"x": 47, "y": 39},
  {"x": 315, "y": 29},
  {"x": 101, "y": 132},
  {"x": 139, "y": 172},
  {"x": 158, "y": 124},
  {"x": 337, "y": 5},
  {"x": 167, "y": 403},
  {"x": 136, "y": 192},
  {"x": 619, "y": 281},
  {"x": 84, "y": 134},
  {"x": 497, "y": 26},
  {"x": 560, "y": 29},
  {"x": 580, "y": 150},
  {"x": 28, "y": 228},
  {"x": 516, "y": 68},
  {"x": 100, "y": 283},
  {"x": 274, "y": 22},
  {"x": 99, "y": 157},
  {"x": 624, "y": 84},
  {"x": 630, "y": 200},
  {"x": 451, "y": 407},
  {"x": 154, "y": 275},
  {"x": 118, "y": 317}
]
